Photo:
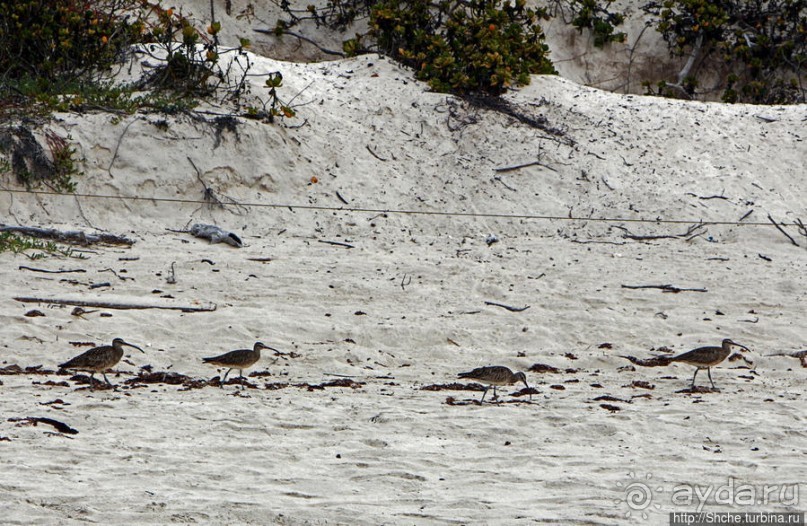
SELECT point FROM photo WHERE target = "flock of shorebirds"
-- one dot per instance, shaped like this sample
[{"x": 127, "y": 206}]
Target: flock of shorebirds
[{"x": 101, "y": 359}]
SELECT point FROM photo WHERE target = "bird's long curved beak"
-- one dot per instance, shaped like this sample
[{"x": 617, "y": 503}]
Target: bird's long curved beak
[
  {"x": 742, "y": 346},
  {"x": 135, "y": 346}
]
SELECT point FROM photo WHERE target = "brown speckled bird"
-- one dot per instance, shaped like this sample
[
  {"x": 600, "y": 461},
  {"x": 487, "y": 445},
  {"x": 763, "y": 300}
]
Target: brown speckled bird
[
  {"x": 99, "y": 359},
  {"x": 494, "y": 375},
  {"x": 239, "y": 359},
  {"x": 707, "y": 357}
]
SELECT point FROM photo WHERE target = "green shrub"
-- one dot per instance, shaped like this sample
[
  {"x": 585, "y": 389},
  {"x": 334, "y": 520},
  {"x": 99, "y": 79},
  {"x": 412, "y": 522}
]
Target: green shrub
[
  {"x": 595, "y": 16},
  {"x": 763, "y": 45},
  {"x": 459, "y": 46}
]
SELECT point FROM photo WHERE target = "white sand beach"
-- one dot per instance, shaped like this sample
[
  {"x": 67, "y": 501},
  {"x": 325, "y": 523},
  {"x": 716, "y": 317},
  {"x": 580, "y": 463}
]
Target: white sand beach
[{"x": 366, "y": 222}]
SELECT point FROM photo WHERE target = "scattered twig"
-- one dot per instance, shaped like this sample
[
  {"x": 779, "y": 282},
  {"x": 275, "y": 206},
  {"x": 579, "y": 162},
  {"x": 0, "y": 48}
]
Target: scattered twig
[
  {"x": 122, "y": 278},
  {"x": 691, "y": 233},
  {"x": 782, "y": 230},
  {"x": 99, "y": 285},
  {"x": 116, "y": 305},
  {"x": 336, "y": 243},
  {"x": 374, "y": 154},
  {"x": 341, "y": 198},
  {"x": 405, "y": 282},
  {"x": 23, "y": 267},
  {"x": 508, "y": 307},
  {"x": 665, "y": 288},
  {"x": 260, "y": 260},
  {"x": 802, "y": 228},
  {"x": 747, "y": 214},
  {"x": 71, "y": 236},
  {"x": 520, "y": 166},
  {"x": 497, "y": 178}
]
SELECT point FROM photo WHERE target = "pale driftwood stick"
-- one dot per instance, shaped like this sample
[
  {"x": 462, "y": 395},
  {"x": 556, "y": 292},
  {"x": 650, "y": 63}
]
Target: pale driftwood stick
[
  {"x": 665, "y": 288},
  {"x": 336, "y": 243},
  {"x": 71, "y": 236},
  {"x": 32, "y": 269},
  {"x": 508, "y": 307},
  {"x": 115, "y": 305},
  {"x": 782, "y": 230}
]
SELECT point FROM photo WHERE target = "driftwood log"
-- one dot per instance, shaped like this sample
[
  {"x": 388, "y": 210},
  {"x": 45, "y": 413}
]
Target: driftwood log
[
  {"x": 70, "y": 236},
  {"x": 208, "y": 307}
]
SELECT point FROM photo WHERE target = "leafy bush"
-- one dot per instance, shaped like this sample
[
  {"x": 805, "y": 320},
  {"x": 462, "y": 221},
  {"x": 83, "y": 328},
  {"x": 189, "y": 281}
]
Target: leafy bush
[
  {"x": 458, "y": 46},
  {"x": 595, "y": 16},
  {"x": 763, "y": 44}
]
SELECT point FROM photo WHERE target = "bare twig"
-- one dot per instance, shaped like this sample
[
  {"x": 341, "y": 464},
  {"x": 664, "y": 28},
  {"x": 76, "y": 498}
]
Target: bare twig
[
  {"x": 341, "y": 198},
  {"x": 122, "y": 278},
  {"x": 32, "y": 269},
  {"x": 508, "y": 307},
  {"x": 116, "y": 305},
  {"x": 520, "y": 166},
  {"x": 664, "y": 288},
  {"x": 782, "y": 230},
  {"x": 374, "y": 154},
  {"x": 336, "y": 243}
]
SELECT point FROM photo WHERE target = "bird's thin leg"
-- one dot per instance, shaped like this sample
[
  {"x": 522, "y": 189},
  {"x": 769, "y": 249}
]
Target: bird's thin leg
[
  {"x": 92, "y": 381},
  {"x": 696, "y": 374},
  {"x": 495, "y": 396},
  {"x": 241, "y": 374},
  {"x": 106, "y": 379},
  {"x": 709, "y": 372},
  {"x": 221, "y": 384},
  {"x": 484, "y": 393}
]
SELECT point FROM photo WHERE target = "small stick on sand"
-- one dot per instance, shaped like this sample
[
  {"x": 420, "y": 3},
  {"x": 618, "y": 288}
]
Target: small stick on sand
[
  {"x": 782, "y": 230},
  {"x": 665, "y": 288},
  {"x": 508, "y": 307}
]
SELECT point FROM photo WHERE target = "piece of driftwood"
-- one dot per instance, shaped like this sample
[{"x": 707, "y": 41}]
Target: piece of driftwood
[
  {"x": 70, "y": 236},
  {"x": 32, "y": 269},
  {"x": 691, "y": 233},
  {"x": 117, "y": 305},
  {"x": 664, "y": 288},
  {"x": 215, "y": 234},
  {"x": 508, "y": 307}
]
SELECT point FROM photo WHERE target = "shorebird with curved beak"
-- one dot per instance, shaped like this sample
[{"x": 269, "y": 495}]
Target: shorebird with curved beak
[
  {"x": 99, "y": 359},
  {"x": 494, "y": 375},
  {"x": 707, "y": 357},
  {"x": 239, "y": 359}
]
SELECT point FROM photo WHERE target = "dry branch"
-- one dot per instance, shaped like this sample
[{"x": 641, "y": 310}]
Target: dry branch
[
  {"x": 665, "y": 288},
  {"x": 508, "y": 307},
  {"x": 32, "y": 269},
  {"x": 782, "y": 230},
  {"x": 70, "y": 236},
  {"x": 116, "y": 305}
]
